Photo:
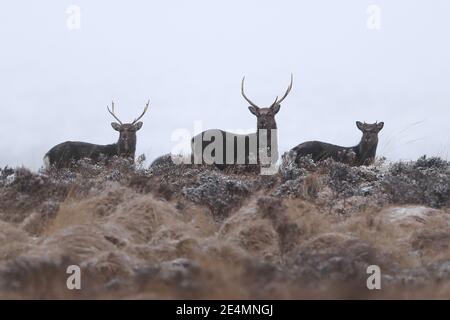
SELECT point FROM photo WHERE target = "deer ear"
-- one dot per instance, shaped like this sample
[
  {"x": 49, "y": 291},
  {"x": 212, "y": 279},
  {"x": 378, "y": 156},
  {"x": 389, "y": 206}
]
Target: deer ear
[
  {"x": 138, "y": 125},
  {"x": 380, "y": 126},
  {"x": 360, "y": 125},
  {"x": 115, "y": 126},
  {"x": 254, "y": 110},
  {"x": 275, "y": 109}
]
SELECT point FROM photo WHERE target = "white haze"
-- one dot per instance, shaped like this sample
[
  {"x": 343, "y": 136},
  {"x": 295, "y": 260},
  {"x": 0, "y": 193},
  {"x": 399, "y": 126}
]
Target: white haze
[{"x": 188, "y": 58}]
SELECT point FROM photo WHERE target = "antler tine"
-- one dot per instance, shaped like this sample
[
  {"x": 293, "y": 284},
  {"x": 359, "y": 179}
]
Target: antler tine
[
  {"x": 275, "y": 102},
  {"x": 288, "y": 90},
  {"x": 112, "y": 112},
  {"x": 145, "y": 110},
  {"x": 245, "y": 97}
]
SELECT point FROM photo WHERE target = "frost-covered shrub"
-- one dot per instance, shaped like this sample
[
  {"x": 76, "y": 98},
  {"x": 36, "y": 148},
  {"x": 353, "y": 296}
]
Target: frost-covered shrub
[
  {"x": 217, "y": 191},
  {"x": 292, "y": 169},
  {"x": 425, "y": 181}
]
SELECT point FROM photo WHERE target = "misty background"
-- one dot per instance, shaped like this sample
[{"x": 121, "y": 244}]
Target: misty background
[{"x": 188, "y": 58}]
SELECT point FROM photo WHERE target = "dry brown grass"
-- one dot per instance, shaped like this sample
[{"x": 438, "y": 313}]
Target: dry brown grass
[{"x": 132, "y": 241}]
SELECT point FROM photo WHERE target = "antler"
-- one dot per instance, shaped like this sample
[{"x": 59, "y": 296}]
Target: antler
[
  {"x": 145, "y": 110},
  {"x": 245, "y": 97},
  {"x": 276, "y": 99},
  {"x": 286, "y": 93},
  {"x": 112, "y": 112}
]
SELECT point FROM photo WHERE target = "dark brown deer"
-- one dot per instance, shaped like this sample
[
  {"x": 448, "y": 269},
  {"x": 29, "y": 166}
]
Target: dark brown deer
[
  {"x": 223, "y": 148},
  {"x": 361, "y": 154},
  {"x": 64, "y": 154}
]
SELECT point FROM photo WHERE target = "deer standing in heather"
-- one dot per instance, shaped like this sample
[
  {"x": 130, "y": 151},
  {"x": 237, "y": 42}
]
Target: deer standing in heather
[
  {"x": 64, "y": 154},
  {"x": 223, "y": 148},
  {"x": 361, "y": 154}
]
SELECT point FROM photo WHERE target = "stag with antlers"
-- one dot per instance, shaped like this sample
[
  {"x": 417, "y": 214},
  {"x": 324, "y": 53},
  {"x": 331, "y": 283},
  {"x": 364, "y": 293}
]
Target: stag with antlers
[
  {"x": 223, "y": 148},
  {"x": 64, "y": 154}
]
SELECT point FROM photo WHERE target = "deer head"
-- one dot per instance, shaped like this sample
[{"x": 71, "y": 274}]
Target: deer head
[
  {"x": 127, "y": 138},
  {"x": 266, "y": 116},
  {"x": 370, "y": 132}
]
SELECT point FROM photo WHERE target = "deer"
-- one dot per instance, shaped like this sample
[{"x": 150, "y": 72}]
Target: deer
[
  {"x": 64, "y": 154},
  {"x": 362, "y": 154},
  {"x": 223, "y": 148}
]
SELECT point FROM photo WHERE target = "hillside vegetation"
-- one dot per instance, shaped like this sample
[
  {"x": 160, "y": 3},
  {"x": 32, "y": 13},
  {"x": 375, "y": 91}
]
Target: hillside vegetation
[{"x": 187, "y": 231}]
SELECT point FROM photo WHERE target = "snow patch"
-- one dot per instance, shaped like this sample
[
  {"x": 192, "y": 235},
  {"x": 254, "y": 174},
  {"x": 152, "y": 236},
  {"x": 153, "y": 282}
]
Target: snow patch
[{"x": 401, "y": 213}]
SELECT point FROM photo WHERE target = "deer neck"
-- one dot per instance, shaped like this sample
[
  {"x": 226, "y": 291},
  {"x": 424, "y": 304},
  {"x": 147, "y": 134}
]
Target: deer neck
[
  {"x": 365, "y": 151},
  {"x": 126, "y": 150},
  {"x": 270, "y": 132},
  {"x": 267, "y": 138}
]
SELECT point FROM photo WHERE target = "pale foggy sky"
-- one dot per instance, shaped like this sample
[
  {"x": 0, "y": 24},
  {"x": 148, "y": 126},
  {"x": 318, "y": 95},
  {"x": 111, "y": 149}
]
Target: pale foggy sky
[{"x": 188, "y": 58}]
